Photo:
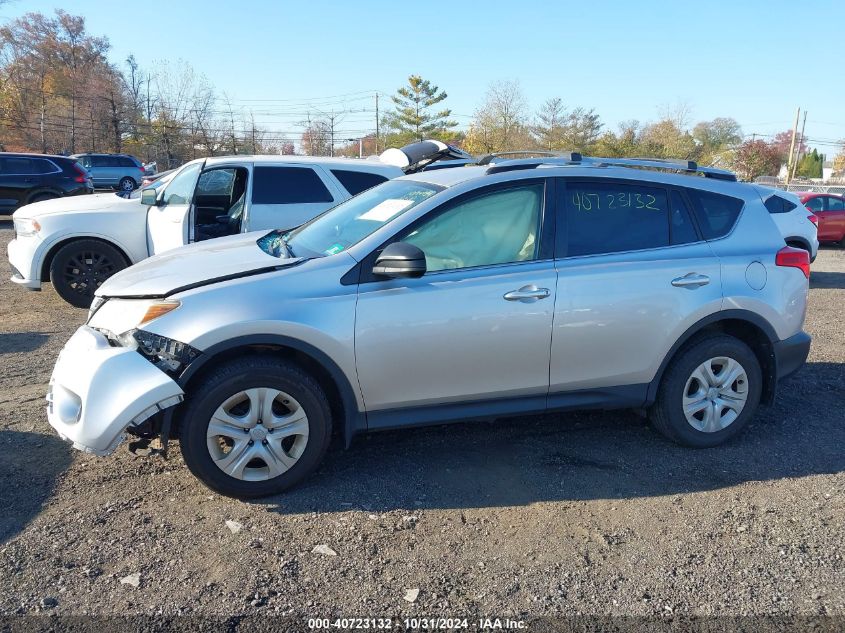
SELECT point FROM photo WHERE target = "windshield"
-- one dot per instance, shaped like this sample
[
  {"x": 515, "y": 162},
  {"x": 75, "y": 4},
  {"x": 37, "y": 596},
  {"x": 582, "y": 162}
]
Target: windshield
[{"x": 350, "y": 222}]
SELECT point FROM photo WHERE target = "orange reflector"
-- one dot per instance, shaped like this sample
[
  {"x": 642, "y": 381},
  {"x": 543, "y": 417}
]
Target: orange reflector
[{"x": 158, "y": 309}]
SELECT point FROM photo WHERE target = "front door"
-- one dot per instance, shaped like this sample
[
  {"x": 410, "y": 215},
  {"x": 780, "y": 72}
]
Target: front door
[
  {"x": 470, "y": 337},
  {"x": 633, "y": 274},
  {"x": 168, "y": 222}
]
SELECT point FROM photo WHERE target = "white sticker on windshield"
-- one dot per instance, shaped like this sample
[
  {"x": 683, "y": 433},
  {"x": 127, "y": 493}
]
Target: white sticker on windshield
[{"x": 385, "y": 210}]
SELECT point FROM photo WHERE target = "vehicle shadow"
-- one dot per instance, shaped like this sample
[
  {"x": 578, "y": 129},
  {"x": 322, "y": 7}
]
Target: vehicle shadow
[
  {"x": 30, "y": 465},
  {"x": 824, "y": 279},
  {"x": 583, "y": 456},
  {"x": 15, "y": 342}
]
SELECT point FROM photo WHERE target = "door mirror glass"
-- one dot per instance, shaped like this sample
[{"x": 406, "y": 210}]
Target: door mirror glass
[
  {"x": 400, "y": 260},
  {"x": 149, "y": 197}
]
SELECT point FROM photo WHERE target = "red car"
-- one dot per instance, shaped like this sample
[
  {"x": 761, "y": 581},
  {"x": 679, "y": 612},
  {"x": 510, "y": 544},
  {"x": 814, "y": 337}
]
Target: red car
[{"x": 830, "y": 210}]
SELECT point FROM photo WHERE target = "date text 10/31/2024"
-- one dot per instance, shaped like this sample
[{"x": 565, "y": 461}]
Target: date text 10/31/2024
[{"x": 419, "y": 624}]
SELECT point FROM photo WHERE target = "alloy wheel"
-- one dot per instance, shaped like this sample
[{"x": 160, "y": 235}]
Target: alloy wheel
[{"x": 87, "y": 270}]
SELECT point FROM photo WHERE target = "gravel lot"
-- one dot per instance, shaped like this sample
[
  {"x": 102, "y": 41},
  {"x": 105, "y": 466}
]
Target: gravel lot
[{"x": 589, "y": 513}]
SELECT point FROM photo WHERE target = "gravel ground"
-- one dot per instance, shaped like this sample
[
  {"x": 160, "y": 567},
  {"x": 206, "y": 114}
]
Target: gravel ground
[{"x": 590, "y": 513}]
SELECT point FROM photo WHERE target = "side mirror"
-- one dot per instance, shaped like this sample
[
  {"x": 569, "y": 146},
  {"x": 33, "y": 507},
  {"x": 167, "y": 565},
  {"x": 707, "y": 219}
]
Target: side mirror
[
  {"x": 400, "y": 260},
  {"x": 149, "y": 197}
]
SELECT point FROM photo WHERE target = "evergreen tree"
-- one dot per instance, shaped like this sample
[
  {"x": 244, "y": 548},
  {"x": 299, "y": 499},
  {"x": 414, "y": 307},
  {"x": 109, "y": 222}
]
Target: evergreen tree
[{"x": 413, "y": 118}]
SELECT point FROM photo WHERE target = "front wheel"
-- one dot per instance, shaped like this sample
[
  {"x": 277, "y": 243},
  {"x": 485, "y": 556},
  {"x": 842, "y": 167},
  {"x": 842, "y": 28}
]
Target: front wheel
[
  {"x": 709, "y": 392},
  {"x": 255, "y": 427},
  {"x": 81, "y": 266}
]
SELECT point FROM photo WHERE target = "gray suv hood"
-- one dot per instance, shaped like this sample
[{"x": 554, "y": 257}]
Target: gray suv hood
[{"x": 195, "y": 265}]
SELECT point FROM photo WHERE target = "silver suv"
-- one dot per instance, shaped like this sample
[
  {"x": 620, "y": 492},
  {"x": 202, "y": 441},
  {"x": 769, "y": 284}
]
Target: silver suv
[{"x": 515, "y": 287}]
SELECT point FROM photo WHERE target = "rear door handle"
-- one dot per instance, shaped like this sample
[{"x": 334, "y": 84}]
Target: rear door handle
[
  {"x": 691, "y": 280},
  {"x": 527, "y": 294}
]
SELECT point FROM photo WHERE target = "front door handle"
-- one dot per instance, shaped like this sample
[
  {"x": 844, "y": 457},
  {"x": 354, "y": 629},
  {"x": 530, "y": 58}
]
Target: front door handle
[
  {"x": 527, "y": 294},
  {"x": 691, "y": 280}
]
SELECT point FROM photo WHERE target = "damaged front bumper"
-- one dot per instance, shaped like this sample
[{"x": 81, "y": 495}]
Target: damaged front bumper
[{"x": 98, "y": 390}]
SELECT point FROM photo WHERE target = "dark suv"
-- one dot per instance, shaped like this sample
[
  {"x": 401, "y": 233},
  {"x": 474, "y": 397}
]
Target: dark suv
[
  {"x": 26, "y": 178},
  {"x": 119, "y": 171}
]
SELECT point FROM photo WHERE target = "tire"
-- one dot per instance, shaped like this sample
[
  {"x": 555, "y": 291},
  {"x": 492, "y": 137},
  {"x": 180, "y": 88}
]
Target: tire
[
  {"x": 232, "y": 393},
  {"x": 127, "y": 184},
  {"x": 682, "y": 384},
  {"x": 81, "y": 266},
  {"x": 41, "y": 197}
]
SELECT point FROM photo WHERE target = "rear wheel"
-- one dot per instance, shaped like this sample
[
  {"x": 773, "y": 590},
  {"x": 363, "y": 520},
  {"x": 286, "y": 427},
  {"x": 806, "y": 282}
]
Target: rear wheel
[
  {"x": 709, "y": 392},
  {"x": 255, "y": 427},
  {"x": 127, "y": 184},
  {"x": 40, "y": 197},
  {"x": 81, "y": 266}
]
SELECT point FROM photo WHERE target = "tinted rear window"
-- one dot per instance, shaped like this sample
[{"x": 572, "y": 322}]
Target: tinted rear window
[
  {"x": 357, "y": 181},
  {"x": 776, "y": 204},
  {"x": 716, "y": 213},
  {"x": 288, "y": 185},
  {"x": 125, "y": 161},
  {"x": 17, "y": 165},
  {"x": 613, "y": 218}
]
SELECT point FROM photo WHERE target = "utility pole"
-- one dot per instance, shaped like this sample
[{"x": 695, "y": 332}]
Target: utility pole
[
  {"x": 799, "y": 144},
  {"x": 331, "y": 135},
  {"x": 792, "y": 145},
  {"x": 377, "y": 124}
]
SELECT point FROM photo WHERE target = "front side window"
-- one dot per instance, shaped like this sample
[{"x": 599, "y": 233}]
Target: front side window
[
  {"x": 180, "y": 190},
  {"x": 351, "y": 221},
  {"x": 612, "y": 218},
  {"x": 217, "y": 182},
  {"x": 288, "y": 185},
  {"x": 497, "y": 228}
]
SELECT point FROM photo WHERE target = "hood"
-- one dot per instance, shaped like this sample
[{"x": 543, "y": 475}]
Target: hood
[
  {"x": 195, "y": 265},
  {"x": 96, "y": 202}
]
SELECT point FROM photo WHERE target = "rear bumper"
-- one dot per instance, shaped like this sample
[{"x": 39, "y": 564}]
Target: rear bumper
[{"x": 791, "y": 354}]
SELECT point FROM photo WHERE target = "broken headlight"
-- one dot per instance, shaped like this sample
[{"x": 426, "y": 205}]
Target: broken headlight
[{"x": 166, "y": 353}]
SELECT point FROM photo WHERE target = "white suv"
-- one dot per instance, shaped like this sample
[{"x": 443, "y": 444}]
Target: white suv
[
  {"x": 798, "y": 226},
  {"x": 79, "y": 243}
]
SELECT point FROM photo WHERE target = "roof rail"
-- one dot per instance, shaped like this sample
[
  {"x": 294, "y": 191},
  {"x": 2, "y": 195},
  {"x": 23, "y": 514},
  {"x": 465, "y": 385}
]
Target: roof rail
[
  {"x": 574, "y": 158},
  {"x": 528, "y": 153}
]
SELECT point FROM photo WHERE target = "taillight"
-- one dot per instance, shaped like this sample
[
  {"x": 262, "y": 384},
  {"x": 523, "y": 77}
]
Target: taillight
[
  {"x": 814, "y": 219},
  {"x": 794, "y": 258},
  {"x": 82, "y": 175}
]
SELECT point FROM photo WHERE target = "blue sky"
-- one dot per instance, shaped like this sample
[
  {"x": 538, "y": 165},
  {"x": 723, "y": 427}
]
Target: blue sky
[{"x": 754, "y": 61}]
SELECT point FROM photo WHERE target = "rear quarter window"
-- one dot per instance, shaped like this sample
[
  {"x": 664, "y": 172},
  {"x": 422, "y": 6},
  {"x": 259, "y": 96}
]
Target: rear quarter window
[
  {"x": 716, "y": 213},
  {"x": 288, "y": 185},
  {"x": 776, "y": 204},
  {"x": 357, "y": 181}
]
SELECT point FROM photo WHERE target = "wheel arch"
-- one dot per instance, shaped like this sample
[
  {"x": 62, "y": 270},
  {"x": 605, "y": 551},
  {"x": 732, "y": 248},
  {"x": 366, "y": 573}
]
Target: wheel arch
[
  {"x": 749, "y": 327},
  {"x": 328, "y": 374},
  {"x": 54, "y": 248}
]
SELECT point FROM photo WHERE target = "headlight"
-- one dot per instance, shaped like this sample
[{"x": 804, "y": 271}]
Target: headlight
[
  {"x": 26, "y": 227},
  {"x": 168, "y": 354}
]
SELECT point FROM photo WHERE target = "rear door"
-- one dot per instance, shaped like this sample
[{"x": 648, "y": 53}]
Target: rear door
[
  {"x": 168, "y": 223},
  {"x": 633, "y": 274},
  {"x": 17, "y": 178},
  {"x": 285, "y": 196}
]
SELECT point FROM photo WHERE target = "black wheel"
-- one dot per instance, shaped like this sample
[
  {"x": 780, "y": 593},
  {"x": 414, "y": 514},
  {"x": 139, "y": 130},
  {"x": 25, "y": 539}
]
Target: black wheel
[
  {"x": 255, "y": 427},
  {"x": 127, "y": 184},
  {"x": 40, "y": 197},
  {"x": 708, "y": 393},
  {"x": 81, "y": 266}
]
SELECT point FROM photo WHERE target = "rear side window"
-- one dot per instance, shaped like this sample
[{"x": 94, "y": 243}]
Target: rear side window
[
  {"x": 776, "y": 204},
  {"x": 125, "y": 161},
  {"x": 17, "y": 166},
  {"x": 288, "y": 185},
  {"x": 43, "y": 166},
  {"x": 101, "y": 161},
  {"x": 357, "y": 181},
  {"x": 612, "y": 218},
  {"x": 835, "y": 204},
  {"x": 681, "y": 227},
  {"x": 814, "y": 204},
  {"x": 716, "y": 214}
]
